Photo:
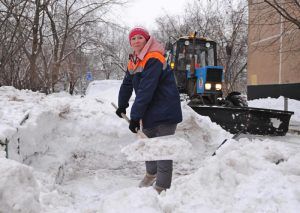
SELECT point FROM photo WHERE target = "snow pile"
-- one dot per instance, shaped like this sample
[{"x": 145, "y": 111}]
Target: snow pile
[
  {"x": 15, "y": 104},
  {"x": 19, "y": 191},
  {"x": 245, "y": 176},
  {"x": 73, "y": 147},
  {"x": 160, "y": 148},
  {"x": 278, "y": 103},
  {"x": 27, "y": 141}
]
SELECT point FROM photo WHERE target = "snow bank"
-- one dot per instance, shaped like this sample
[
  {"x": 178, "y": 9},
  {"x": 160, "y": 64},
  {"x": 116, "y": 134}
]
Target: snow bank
[
  {"x": 278, "y": 103},
  {"x": 84, "y": 171},
  {"x": 29, "y": 139},
  {"x": 26, "y": 113},
  {"x": 15, "y": 104},
  {"x": 19, "y": 191},
  {"x": 244, "y": 176}
]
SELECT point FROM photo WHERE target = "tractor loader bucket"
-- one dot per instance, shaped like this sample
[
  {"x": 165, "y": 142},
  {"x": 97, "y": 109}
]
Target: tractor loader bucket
[{"x": 248, "y": 120}]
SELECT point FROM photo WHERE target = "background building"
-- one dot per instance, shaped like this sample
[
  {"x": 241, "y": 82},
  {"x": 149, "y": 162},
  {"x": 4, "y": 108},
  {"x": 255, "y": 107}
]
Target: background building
[{"x": 274, "y": 50}]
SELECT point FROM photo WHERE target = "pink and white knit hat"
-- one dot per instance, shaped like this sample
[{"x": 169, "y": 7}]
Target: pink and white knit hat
[{"x": 140, "y": 31}]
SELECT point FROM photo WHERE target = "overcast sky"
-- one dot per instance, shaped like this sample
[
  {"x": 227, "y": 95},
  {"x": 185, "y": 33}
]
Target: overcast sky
[{"x": 144, "y": 12}]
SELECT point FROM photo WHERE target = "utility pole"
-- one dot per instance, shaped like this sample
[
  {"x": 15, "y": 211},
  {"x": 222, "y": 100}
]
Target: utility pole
[
  {"x": 80, "y": 66},
  {"x": 285, "y": 104}
]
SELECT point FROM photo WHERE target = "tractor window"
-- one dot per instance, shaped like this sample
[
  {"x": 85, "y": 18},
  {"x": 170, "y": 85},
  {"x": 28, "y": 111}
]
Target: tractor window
[
  {"x": 181, "y": 57},
  {"x": 171, "y": 55},
  {"x": 174, "y": 49},
  {"x": 203, "y": 52},
  {"x": 204, "y": 56},
  {"x": 203, "y": 59},
  {"x": 211, "y": 55}
]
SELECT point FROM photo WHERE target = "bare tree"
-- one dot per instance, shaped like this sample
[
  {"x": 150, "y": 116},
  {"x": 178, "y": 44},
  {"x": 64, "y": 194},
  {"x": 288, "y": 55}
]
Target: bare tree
[
  {"x": 110, "y": 50},
  {"x": 40, "y": 38},
  {"x": 267, "y": 15},
  {"x": 36, "y": 39},
  {"x": 231, "y": 34},
  {"x": 170, "y": 28},
  {"x": 12, "y": 27},
  {"x": 288, "y": 9},
  {"x": 68, "y": 19}
]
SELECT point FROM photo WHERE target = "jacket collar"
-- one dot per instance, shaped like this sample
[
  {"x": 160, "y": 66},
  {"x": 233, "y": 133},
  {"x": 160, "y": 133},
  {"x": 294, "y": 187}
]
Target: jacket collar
[{"x": 152, "y": 45}]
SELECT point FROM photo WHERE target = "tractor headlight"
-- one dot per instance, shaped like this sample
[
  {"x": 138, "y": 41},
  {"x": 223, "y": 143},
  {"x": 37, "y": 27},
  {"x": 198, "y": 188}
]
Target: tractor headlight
[
  {"x": 172, "y": 65},
  {"x": 218, "y": 86},
  {"x": 207, "y": 86}
]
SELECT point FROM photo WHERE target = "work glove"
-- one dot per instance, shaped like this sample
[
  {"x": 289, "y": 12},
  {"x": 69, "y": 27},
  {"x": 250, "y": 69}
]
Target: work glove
[
  {"x": 119, "y": 111},
  {"x": 134, "y": 125}
]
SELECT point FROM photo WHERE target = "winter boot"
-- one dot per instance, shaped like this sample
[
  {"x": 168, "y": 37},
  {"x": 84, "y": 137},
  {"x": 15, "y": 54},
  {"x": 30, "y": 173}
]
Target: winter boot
[
  {"x": 159, "y": 189},
  {"x": 148, "y": 180}
]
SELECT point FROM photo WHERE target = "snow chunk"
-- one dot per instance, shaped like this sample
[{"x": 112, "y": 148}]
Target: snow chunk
[
  {"x": 159, "y": 148},
  {"x": 275, "y": 122},
  {"x": 19, "y": 191}
]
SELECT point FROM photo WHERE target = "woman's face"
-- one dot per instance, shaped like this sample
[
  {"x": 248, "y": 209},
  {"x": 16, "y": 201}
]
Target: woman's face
[{"x": 137, "y": 43}]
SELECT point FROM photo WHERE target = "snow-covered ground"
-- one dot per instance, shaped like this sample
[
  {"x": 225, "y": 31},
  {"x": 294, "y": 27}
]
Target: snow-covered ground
[{"x": 64, "y": 155}]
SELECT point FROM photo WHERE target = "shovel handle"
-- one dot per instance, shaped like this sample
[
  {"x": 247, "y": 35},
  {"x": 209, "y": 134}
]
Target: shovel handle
[
  {"x": 139, "y": 132},
  {"x": 234, "y": 137},
  {"x": 122, "y": 114}
]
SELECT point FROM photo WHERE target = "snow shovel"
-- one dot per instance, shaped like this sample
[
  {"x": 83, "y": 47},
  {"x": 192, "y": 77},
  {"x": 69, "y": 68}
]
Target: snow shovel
[
  {"x": 245, "y": 126},
  {"x": 234, "y": 137},
  {"x": 159, "y": 148}
]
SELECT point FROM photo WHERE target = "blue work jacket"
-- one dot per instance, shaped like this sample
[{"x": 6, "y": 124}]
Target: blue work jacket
[{"x": 157, "y": 98}]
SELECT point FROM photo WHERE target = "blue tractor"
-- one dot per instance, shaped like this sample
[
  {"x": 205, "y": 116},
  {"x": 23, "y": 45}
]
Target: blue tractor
[{"x": 194, "y": 63}]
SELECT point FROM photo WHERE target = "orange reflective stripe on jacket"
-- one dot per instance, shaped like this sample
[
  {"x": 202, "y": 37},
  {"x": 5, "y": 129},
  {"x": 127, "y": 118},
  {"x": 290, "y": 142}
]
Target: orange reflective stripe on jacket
[{"x": 134, "y": 68}]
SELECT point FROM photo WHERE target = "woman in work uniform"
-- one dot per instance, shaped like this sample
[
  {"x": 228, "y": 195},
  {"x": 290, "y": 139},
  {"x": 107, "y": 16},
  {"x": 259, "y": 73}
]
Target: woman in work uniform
[{"x": 157, "y": 103}]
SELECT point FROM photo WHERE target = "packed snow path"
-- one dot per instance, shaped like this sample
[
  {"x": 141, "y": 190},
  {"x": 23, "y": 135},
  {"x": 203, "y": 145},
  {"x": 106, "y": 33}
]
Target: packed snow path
[{"x": 74, "y": 146}]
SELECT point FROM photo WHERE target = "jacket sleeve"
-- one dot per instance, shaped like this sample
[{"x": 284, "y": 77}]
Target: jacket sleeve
[
  {"x": 125, "y": 91},
  {"x": 149, "y": 81}
]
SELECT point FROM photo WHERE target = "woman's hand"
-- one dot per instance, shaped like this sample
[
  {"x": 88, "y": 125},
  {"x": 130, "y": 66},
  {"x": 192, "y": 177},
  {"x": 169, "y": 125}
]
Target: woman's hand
[
  {"x": 119, "y": 112},
  {"x": 134, "y": 125}
]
